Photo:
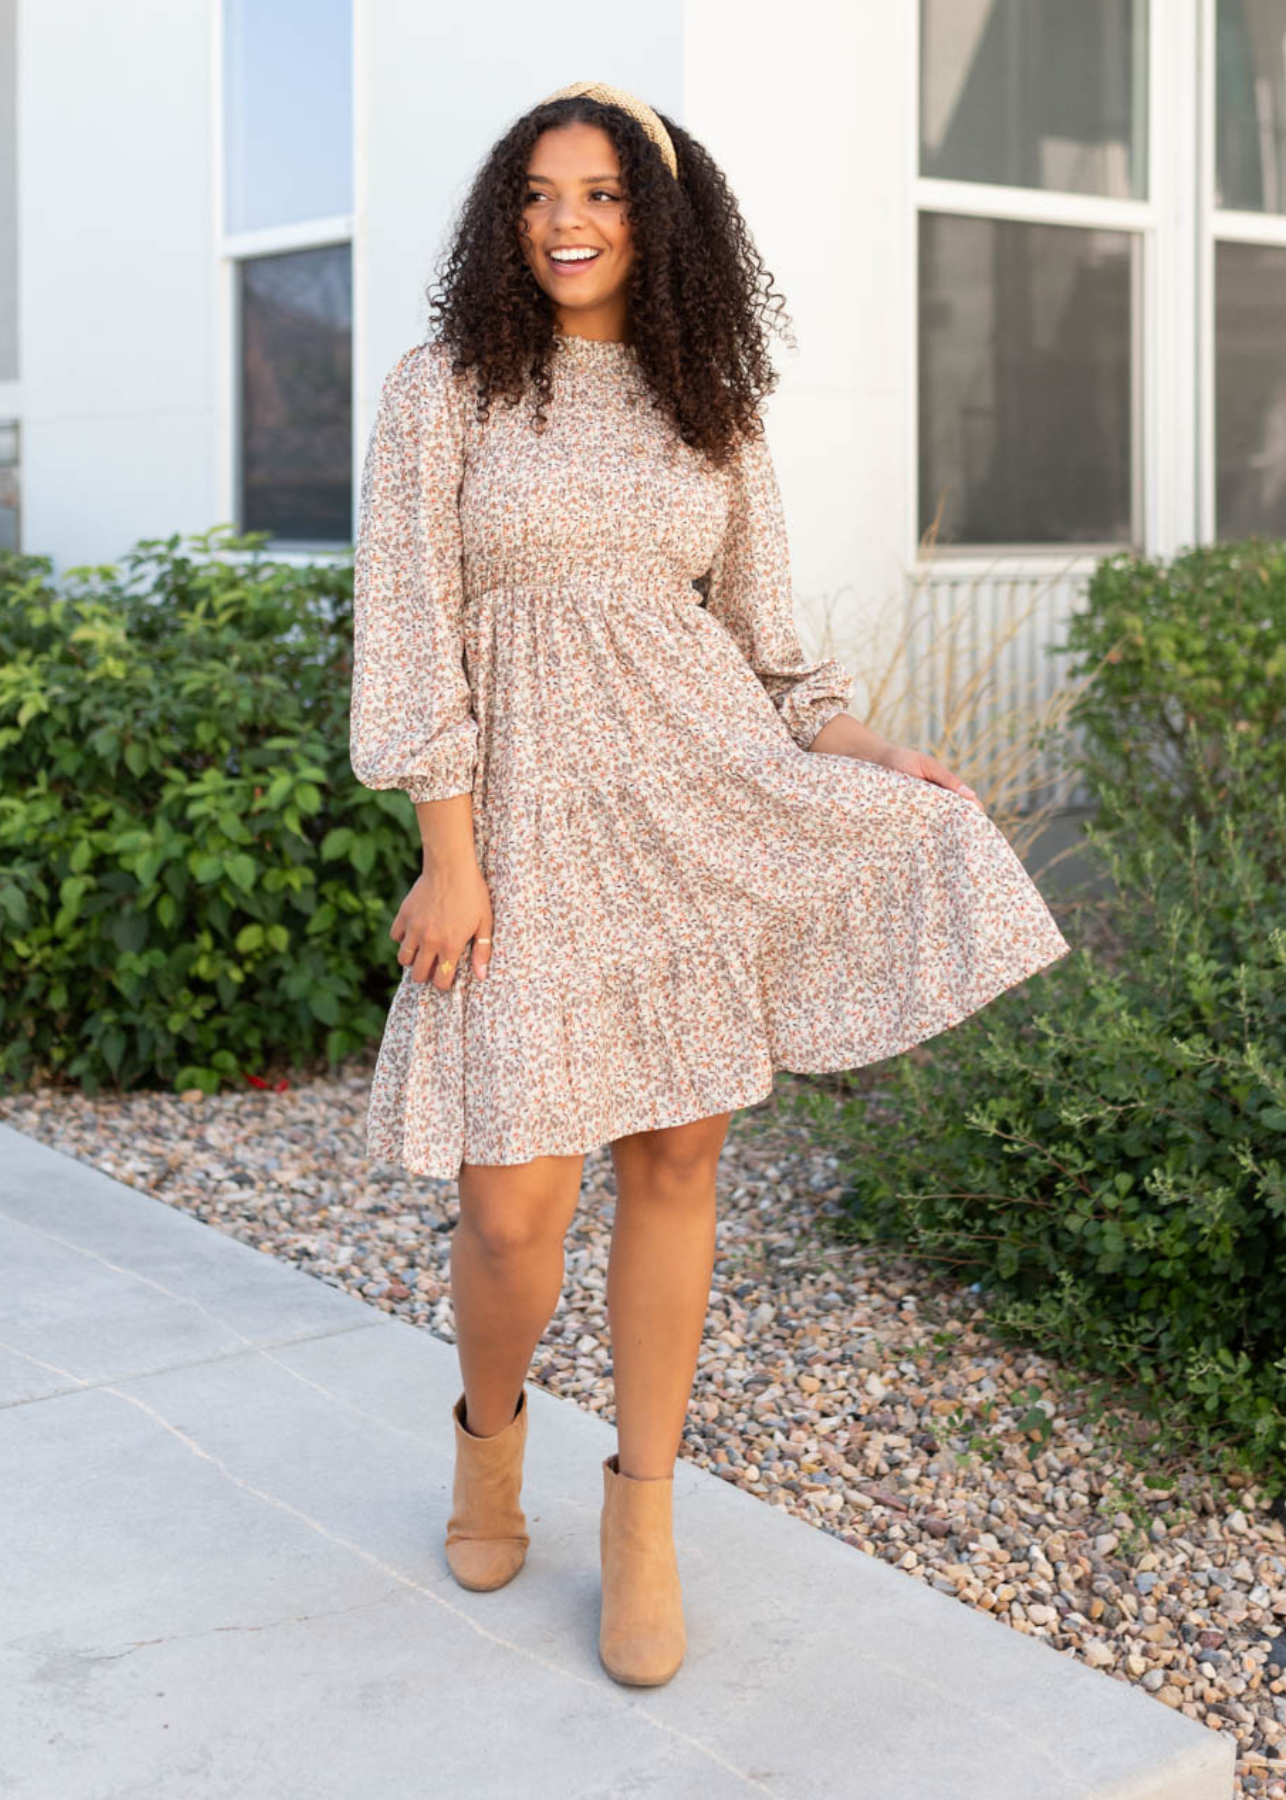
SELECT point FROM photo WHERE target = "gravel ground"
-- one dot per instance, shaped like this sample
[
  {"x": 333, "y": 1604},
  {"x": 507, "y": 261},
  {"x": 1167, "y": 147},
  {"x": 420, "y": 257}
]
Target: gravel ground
[{"x": 850, "y": 1388}]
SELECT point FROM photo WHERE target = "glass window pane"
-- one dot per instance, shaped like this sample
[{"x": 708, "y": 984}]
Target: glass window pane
[
  {"x": 296, "y": 395},
  {"x": 1025, "y": 382},
  {"x": 10, "y": 473},
  {"x": 288, "y": 116},
  {"x": 1035, "y": 94},
  {"x": 1250, "y": 390},
  {"x": 1250, "y": 108}
]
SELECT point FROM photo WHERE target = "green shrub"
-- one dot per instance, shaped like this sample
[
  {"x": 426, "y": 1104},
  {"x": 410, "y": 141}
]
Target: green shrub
[
  {"x": 1190, "y": 657},
  {"x": 194, "y": 886},
  {"x": 1103, "y": 1148}
]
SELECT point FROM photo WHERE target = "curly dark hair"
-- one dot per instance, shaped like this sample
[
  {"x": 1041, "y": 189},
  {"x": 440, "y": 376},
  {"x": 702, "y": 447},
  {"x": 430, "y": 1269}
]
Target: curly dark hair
[{"x": 700, "y": 298}]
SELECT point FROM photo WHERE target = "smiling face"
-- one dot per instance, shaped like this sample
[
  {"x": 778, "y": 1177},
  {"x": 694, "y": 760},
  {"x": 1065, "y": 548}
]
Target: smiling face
[{"x": 576, "y": 201}]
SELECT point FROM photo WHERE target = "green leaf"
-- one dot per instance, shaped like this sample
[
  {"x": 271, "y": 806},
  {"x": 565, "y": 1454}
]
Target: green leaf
[
  {"x": 241, "y": 869},
  {"x": 325, "y": 1006},
  {"x": 335, "y": 844}
]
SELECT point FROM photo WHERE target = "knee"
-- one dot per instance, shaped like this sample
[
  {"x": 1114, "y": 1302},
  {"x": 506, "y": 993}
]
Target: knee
[
  {"x": 676, "y": 1159},
  {"x": 503, "y": 1234},
  {"x": 509, "y": 1217}
]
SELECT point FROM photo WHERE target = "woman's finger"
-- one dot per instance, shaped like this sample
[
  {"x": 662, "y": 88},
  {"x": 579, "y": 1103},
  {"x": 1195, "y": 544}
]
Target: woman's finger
[
  {"x": 942, "y": 775},
  {"x": 448, "y": 963},
  {"x": 416, "y": 955}
]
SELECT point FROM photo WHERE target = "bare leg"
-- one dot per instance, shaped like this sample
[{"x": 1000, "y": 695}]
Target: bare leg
[
  {"x": 658, "y": 1283},
  {"x": 507, "y": 1274}
]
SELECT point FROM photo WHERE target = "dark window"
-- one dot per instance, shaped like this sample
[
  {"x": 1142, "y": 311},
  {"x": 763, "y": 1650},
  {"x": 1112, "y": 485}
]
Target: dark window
[
  {"x": 1025, "y": 382},
  {"x": 1250, "y": 390},
  {"x": 10, "y": 473},
  {"x": 296, "y": 395}
]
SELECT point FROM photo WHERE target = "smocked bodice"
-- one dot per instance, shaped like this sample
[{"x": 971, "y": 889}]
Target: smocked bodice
[{"x": 605, "y": 493}]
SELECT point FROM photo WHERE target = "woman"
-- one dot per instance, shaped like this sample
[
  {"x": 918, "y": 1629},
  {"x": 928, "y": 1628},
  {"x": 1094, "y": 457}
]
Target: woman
[{"x": 660, "y": 858}]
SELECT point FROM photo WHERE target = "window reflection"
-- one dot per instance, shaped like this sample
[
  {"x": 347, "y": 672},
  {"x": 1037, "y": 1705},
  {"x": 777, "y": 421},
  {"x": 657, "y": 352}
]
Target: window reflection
[
  {"x": 1035, "y": 93},
  {"x": 9, "y": 480},
  {"x": 1024, "y": 382},
  {"x": 1251, "y": 107},
  {"x": 288, "y": 116},
  {"x": 1250, "y": 390},
  {"x": 296, "y": 395}
]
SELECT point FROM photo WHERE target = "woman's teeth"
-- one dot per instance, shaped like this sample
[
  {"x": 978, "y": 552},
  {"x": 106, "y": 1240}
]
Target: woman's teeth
[{"x": 573, "y": 259}]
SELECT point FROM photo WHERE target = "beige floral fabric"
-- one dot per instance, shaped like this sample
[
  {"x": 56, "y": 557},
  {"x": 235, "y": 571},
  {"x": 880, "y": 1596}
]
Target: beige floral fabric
[{"x": 685, "y": 897}]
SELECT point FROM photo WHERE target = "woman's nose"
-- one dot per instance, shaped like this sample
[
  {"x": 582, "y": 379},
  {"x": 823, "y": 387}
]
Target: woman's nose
[{"x": 566, "y": 212}]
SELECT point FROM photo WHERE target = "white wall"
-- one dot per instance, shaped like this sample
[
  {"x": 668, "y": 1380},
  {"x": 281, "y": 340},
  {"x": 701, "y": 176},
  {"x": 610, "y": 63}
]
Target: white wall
[
  {"x": 809, "y": 110},
  {"x": 116, "y": 283}
]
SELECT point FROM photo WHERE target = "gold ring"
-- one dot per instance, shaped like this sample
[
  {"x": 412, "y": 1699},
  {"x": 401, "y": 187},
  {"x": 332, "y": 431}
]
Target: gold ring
[
  {"x": 446, "y": 967},
  {"x": 482, "y": 940}
]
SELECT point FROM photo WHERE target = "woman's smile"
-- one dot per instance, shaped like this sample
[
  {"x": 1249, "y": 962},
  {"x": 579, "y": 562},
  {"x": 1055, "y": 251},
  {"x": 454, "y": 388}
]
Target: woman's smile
[{"x": 563, "y": 262}]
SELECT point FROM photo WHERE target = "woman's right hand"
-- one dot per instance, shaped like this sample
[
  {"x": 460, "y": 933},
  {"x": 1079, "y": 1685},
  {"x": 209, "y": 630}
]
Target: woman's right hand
[{"x": 448, "y": 906}]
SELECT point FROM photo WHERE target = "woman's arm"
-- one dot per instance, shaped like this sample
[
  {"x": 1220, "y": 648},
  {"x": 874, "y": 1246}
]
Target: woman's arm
[
  {"x": 749, "y": 592},
  {"x": 411, "y": 720},
  {"x": 411, "y": 717}
]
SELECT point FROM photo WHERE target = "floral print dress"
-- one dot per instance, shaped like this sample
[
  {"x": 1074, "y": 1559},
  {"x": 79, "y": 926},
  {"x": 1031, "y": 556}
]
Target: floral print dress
[{"x": 686, "y": 898}]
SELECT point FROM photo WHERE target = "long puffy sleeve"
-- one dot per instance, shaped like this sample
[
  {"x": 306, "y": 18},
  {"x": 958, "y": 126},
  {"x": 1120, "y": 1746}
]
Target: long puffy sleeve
[
  {"x": 411, "y": 720},
  {"x": 749, "y": 592}
]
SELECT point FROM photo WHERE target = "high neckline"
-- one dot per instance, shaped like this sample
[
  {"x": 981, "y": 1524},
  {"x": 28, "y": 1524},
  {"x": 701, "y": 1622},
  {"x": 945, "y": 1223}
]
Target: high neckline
[{"x": 587, "y": 346}]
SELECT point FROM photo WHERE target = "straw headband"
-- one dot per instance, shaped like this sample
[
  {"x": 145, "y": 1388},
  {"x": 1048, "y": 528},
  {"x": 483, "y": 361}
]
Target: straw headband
[{"x": 638, "y": 110}]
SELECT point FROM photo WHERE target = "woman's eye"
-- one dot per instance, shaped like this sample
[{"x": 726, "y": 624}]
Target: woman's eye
[{"x": 595, "y": 194}]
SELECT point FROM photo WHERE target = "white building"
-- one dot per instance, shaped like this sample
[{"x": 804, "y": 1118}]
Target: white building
[{"x": 1034, "y": 252}]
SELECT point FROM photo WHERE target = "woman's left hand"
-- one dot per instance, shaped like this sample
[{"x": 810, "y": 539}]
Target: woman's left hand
[{"x": 928, "y": 768}]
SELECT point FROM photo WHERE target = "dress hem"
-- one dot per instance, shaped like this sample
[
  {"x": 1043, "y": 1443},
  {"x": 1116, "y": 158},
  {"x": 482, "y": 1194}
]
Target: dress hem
[{"x": 744, "y": 1097}]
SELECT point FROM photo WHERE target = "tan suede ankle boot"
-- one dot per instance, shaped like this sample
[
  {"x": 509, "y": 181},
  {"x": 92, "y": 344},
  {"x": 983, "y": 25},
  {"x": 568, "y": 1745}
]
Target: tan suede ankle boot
[
  {"x": 641, "y": 1637},
  {"x": 487, "y": 1537}
]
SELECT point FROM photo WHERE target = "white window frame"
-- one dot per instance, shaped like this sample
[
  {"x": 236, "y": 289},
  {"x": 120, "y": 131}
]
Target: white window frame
[
  {"x": 231, "y": 249},
  {"x": 1171, "y": 325},
  {"x": 1222, "y": 225}
]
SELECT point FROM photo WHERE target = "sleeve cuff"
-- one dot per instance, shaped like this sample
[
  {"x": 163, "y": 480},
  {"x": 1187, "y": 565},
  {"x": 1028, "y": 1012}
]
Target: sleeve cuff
[
  {"x": 452, "y": 768},
  {"x": 806, "y": 714},
  {"x": 437, "y": 787}
]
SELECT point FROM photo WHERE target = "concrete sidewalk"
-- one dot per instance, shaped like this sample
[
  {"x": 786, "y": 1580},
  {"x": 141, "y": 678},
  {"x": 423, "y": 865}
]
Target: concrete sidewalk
[{"x": 223, "y": 1494}]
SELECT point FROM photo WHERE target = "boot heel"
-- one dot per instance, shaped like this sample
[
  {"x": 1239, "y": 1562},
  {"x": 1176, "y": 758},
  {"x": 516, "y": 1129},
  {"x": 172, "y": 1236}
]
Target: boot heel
[
  {"x": 486, "y": 1539},
  {"x": 641, "y": 1638}
]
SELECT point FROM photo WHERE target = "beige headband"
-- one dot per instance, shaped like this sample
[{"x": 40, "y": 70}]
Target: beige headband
[{"x": 636, "y": 108}]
